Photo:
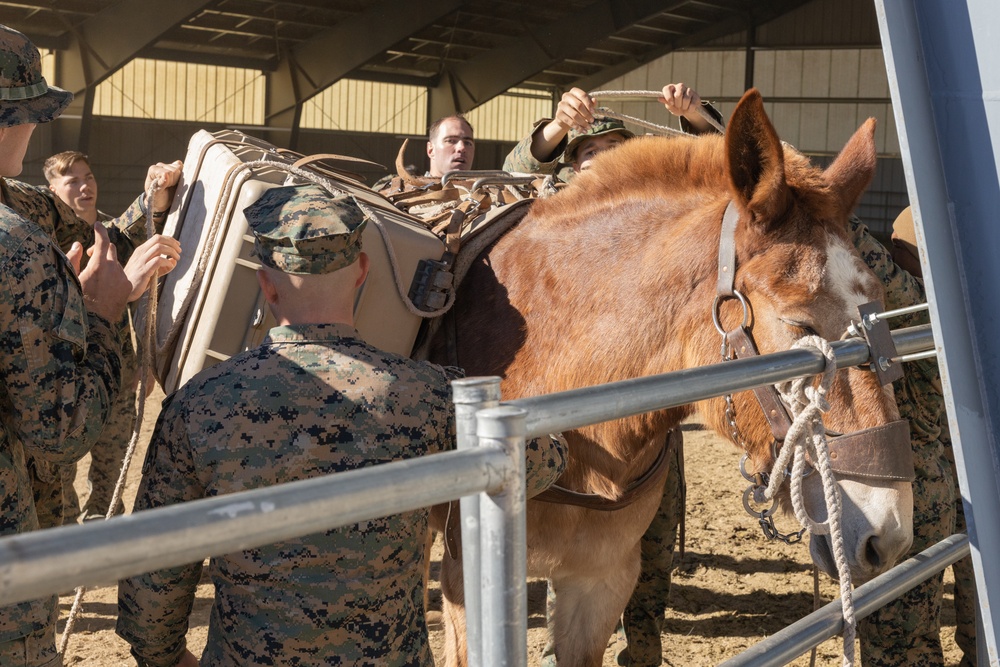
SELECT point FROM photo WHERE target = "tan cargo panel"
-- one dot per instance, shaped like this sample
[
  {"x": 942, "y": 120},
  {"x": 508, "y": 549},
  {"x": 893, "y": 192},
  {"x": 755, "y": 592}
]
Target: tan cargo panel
[{"x": 211, "y": 306}]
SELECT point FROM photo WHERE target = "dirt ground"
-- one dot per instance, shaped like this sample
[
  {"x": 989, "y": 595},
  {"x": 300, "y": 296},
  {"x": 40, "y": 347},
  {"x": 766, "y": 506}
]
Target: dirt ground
[{"x": 731, "y": 589}]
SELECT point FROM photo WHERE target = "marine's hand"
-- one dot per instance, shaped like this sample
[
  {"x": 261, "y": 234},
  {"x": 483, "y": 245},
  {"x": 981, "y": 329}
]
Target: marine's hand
[
  {"x": 679, "y": 99},
  {"x": 106, "y": 288},
  {"x": 75, "y": 256},
  {"x": 157, "y": 256},
  {"x": 166, "y": 177},
  {"x": 575, "y": 110}
]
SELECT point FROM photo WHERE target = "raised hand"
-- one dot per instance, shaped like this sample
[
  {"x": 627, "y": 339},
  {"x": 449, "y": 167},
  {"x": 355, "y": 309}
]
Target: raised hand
[
  {"x": 157, "y": 256},
  {"x": 106, "y": 288}
]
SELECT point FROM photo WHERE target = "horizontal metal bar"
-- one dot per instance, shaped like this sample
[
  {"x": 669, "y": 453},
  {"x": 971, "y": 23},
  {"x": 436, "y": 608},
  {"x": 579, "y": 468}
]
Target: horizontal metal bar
[
  {"x": 792, "y": 641},
  {"x": 46, "y": 562},
  {"x": 567, "y": 410}
]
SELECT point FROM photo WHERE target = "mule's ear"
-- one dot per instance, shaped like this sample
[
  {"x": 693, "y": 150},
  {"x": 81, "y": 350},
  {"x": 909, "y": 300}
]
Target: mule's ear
[
  {"x": 853, "y": 169},
  {"x": 755, "y": 161}
]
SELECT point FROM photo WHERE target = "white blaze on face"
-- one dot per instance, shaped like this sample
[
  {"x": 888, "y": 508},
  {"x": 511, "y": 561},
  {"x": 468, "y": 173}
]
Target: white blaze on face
[{"x": 846, "y": 276}]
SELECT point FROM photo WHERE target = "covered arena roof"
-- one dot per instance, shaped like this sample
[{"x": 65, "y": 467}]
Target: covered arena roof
[{"x": 464, "y": 52}]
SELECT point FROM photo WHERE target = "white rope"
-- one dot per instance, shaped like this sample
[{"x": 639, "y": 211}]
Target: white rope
[
  {"x": 807, "y": 435},
  {"x": 655, "y": 94},
  {"x": 145, "y": 366}
]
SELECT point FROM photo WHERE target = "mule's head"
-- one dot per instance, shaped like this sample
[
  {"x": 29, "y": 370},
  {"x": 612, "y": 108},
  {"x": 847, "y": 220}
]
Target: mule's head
[{"x": 798, "y": 269}]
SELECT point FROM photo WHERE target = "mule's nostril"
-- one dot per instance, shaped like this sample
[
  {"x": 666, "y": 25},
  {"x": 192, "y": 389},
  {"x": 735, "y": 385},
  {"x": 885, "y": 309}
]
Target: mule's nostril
[{"x": 872, "y": 556}]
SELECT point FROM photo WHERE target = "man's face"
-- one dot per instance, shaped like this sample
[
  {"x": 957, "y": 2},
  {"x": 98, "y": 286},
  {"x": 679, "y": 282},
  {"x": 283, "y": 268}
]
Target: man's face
[
  {"x": 589, "y": 148},
  {"x": 452, "y": 148},
  {"x": 78, "y": 188},
  {"x": 14, "y": 141}
]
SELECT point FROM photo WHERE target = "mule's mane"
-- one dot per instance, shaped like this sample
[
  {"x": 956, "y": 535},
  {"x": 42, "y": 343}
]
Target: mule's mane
[{"x": 672, "y": 167}]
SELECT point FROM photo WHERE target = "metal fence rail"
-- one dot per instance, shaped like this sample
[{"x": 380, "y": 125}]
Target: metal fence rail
[
  {"x": 46, "y": 562},
  {"x": 784, "y": 646},
  {"x": 43, "y": 563}
]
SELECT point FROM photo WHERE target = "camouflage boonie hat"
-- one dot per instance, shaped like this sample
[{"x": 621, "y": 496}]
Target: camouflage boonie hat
[
  {"x": 304, "y": 229},
  {"x": 24, "y": 95},
  {"x": 599, "y": 127}
]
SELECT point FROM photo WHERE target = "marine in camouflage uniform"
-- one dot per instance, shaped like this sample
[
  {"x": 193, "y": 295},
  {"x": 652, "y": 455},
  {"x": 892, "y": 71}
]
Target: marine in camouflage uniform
[
  {"x": 55, "y": 497},
  {"x": 907, "y": 630},
  {"x": 642, "y": 622},
  {"x": 313, "y": 399},
  {"x": 60, "y": 365}
]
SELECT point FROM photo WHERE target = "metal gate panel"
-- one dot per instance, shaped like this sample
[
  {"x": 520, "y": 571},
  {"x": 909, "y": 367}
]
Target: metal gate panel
[{"x": 941, "y": 57}]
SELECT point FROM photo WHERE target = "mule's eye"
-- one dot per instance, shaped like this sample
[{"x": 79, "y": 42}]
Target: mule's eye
[{"x": 800, "y": 328}]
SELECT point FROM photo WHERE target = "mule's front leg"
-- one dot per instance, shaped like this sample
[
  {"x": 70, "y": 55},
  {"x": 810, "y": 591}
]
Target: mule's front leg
[
  {"x": 453, "y": 594},
  {"x": 587, "y": 610}
]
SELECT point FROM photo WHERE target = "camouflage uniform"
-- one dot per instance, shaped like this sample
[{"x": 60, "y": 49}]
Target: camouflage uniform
[
  {"x": 59, "y": 374},
  {"x": 907, "y": 630},
  {"x": 60, "y": 366},
  {"x": 55, "y": 497},
  {"x": 313, "y": 399}
]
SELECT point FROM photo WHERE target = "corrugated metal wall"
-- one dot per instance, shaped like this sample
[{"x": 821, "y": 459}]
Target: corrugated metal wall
[{"x": 816, "y": 98}]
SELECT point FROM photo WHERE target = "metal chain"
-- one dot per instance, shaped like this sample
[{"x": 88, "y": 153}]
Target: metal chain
[{"x": 765, "y": 518}]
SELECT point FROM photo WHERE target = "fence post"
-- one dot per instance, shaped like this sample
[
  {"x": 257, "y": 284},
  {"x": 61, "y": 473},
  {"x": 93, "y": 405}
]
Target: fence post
[
  {"x": 470, "y": 395},
  {"x": 504, "y": 543}
]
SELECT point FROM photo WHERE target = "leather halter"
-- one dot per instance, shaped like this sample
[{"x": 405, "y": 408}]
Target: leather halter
[{"x": 881, "y": 452}]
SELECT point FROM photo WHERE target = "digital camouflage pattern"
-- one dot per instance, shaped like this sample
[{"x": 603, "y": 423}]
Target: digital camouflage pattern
[
  {"x": 311, "y": 400},
  {"x": 520, "y": 160},
  {"x": 25, "y": 97},
  {"x": 907, "y": 631},
  {"x": 55, "y": 498},
  {"x": 304, "y": 229},
  {"x": 60, "y": 369},
  {"x": 600, "y": 127}
]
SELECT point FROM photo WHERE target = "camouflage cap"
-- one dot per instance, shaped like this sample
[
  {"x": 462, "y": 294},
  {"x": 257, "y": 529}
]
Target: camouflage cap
[
  {"x": 600, "y": 126},
  {"x": 24, "y": 95},
  {"x": 304, "y": 229}
]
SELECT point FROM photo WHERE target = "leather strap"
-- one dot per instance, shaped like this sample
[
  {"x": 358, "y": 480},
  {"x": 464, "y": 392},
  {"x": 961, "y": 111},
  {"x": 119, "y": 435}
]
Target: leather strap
[
  {"x": 727, "y": 252},
  {"x": 767, "y": 396},
  {"x": 592, "y": 501},
  {"x": 881, "y": 452}
]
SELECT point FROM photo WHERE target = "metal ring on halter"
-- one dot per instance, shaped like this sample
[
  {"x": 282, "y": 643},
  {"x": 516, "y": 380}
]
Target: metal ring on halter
[
  {"x": 719, "y": 298},
  {"x": 757, "y": 515},
  {"x": 758, "y": 478}
]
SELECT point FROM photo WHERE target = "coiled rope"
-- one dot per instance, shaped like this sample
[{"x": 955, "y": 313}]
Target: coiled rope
[
  {"x": 807, "y": 436},
  {"x": 148, "y": 347},
  {"x": 646, "y": 94}
]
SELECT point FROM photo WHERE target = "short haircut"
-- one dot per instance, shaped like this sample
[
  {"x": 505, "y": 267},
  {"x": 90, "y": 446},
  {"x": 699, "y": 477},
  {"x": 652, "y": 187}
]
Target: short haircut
[
  {"x": 436, "y": 125},
  {"x": 60, "y": 163}
]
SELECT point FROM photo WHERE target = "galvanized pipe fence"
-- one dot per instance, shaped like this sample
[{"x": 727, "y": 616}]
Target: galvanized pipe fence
[{"x": 489, "y": 461}]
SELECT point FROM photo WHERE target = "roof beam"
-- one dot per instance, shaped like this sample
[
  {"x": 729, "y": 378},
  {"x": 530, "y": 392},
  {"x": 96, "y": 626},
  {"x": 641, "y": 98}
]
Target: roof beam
[
  {"x": 466, "y": 85},
  {"x": 321, "y": 61},
  {"x": 112, "y": 37},
  {"x": 729, "y": 26},
  {"x": 102, "y": 44}
]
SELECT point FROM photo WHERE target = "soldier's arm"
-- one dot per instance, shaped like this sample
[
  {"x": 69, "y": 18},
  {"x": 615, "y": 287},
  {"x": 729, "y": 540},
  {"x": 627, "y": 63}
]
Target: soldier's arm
[
  {"x": 902, "y": 289},
  {"x": 61, "y": 366},
  {"x": 521, "y": 160},
  {"x": 153, "y": 608},
  {"x": 545, "y": 461}
]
